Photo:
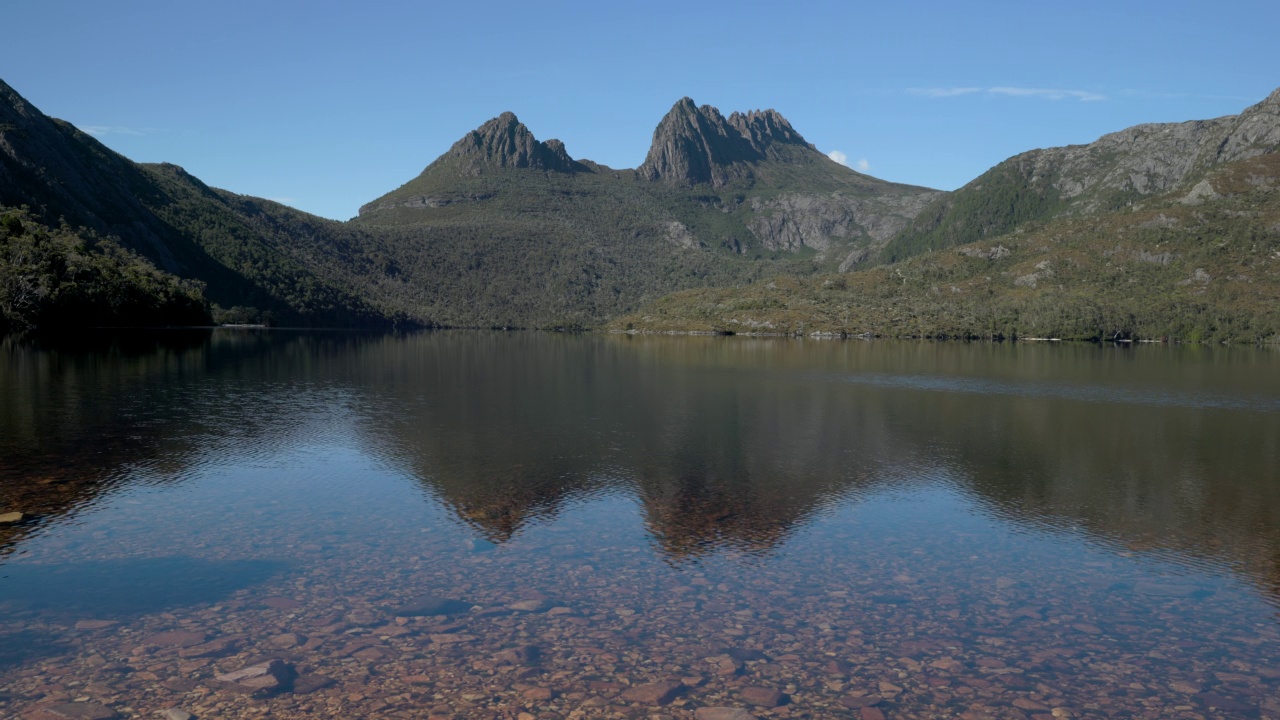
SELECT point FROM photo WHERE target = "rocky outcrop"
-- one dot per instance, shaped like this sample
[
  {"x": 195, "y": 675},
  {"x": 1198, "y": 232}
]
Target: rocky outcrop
[
  {"x": 792, "y": 221},
  {"x": 1117, "y": 170},
  {"x": 505, "y": 142},
  {"x": 694, "y": 145}
]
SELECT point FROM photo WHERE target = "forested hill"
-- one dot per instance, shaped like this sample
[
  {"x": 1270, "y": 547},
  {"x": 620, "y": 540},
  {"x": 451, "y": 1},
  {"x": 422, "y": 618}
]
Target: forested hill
[{"x": 249, "y": 253}]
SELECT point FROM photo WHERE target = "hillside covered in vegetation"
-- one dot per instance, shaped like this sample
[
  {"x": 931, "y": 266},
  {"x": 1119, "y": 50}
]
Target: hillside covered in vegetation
[
  {"x": 57, "y": 277},
  {"x": 1200, "y": 263}
]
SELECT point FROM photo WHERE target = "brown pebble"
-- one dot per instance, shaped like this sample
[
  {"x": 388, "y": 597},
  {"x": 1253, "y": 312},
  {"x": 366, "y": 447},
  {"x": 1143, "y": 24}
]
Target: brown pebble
[
  {"x": 176, "y": 638},
  {"x": 722, "y": 713},
  {"x": 855, "y": 702},
  {"x": 659, "y": 693},
  {"x": 287, "y": 640},
  {"x": 213, "y": 648},
  {"x": 311, "y": 682},
  {"x": 263, "y": 678},
  {"x": 538, "y": 693},
  {"x": 762, "y": 696},
  {"x": 77, "y": 711}
]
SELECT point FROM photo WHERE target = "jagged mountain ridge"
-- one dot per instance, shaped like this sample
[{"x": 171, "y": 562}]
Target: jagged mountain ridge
[
  {"x": 505, "y": 142},
  {"x": 506, "y": 230},
  {"x": 693, "y": 144},
  {"x": 1116, "y": 171},
  {"x": 749, "y": 183}
]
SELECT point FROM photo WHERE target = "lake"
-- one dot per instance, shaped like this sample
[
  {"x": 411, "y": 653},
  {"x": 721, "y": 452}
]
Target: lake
[{"x": 532, "y": 525}]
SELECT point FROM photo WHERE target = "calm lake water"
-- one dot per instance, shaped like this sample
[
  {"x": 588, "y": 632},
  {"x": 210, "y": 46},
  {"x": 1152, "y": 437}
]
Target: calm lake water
[{"x": 476, "y": 525}]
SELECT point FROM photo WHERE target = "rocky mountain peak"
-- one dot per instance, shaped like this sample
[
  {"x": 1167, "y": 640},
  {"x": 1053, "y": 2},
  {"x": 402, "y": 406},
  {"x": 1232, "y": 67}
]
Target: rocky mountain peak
[
  {"x": 765, "y": 127},
  {"x": 696, "y": 144},
  {"x": 505, "y": 142}
]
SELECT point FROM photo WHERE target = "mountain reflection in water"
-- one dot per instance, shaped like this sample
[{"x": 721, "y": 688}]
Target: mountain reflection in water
[{"x": 726, "y": 443}]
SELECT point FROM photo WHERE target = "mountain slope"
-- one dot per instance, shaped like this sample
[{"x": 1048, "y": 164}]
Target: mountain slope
[
  {"x": 173, "y": 220},
  {"x": 1116, "y": 171},
  {"x": 1195, "y": 264}
]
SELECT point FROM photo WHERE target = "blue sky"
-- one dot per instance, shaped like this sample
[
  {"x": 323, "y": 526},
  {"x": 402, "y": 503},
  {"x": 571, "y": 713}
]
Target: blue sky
[{"x": 327, "y": 105}]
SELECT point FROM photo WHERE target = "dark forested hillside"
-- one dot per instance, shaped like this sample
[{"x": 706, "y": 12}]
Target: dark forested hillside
[{"x": 56, "y": 277}]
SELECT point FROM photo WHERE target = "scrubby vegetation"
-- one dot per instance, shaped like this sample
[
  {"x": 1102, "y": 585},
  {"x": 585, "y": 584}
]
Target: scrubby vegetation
[
  {"x": 57, "y": 277},
  {"x": 1174, "y": 268}
]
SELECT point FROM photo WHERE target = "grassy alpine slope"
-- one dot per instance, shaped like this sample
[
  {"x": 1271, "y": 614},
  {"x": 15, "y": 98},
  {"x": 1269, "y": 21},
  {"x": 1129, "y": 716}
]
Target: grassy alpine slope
[{"x": 1200, "y": 263}]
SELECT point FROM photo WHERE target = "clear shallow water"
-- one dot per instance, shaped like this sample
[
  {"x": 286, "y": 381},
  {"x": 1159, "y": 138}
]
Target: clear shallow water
[{"x": 802, "y": 529}]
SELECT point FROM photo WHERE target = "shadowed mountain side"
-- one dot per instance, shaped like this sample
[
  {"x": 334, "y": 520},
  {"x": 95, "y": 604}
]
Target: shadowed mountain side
[
  {"x": 232, "y": 244},
  {"x": 1116, "y": 171}
]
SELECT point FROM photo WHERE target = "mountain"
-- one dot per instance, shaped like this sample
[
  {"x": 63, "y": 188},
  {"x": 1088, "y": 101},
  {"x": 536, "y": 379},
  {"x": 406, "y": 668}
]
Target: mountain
[
  {"x": 248, "y": 252},
  {"x": 1153, "y": 231},
  {"x": 695, "y": 145},
  {"x": 528, "y": 235},
  {"x": 1116, "y": 171},
  {"x": 1198, "y": 263},
  {"x": 502, "y": 230},
  {"x": 749, "y": 184}
]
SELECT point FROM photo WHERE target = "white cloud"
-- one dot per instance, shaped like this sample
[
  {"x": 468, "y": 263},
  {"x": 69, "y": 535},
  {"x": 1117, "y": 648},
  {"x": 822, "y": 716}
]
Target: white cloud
[
  {"x": 1042, "y": 93},
  {"x": 861, "y": 166},
  {"x": 100, "y": 130},
  {"x": 1048, "y": 94},
  {"x": 943, "y": 92}
]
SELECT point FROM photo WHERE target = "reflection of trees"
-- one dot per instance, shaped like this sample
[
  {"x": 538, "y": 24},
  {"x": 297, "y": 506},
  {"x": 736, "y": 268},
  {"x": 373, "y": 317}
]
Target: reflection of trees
[
  {"x": 80, "y": 414},
  {"x": 65, "y": 425}
]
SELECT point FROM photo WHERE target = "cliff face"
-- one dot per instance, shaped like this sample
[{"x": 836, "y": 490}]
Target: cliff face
[
  {"x": 505, "y": 142},
  {"x": 694, "y": 145}
]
